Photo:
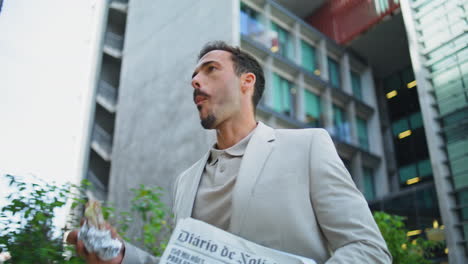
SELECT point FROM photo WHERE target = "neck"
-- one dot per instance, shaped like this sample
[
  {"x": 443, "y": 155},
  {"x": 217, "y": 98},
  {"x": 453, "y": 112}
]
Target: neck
[{"x": 230, "y": 132}]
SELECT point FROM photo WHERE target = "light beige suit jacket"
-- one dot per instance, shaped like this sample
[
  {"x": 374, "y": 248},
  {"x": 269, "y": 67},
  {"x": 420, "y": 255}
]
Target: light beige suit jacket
[{"x": 294, "y": 194}]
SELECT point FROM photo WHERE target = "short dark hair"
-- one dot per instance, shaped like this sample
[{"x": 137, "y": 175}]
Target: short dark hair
[{"x": 243, "y": 63}]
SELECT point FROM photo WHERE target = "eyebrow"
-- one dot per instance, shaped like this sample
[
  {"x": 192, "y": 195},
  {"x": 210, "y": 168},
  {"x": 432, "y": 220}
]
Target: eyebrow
[{"x": 206, "y": 63}]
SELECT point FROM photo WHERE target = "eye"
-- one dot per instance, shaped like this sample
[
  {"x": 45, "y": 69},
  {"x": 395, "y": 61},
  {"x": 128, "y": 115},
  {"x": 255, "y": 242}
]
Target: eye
[{"x": 211, "y": 68}]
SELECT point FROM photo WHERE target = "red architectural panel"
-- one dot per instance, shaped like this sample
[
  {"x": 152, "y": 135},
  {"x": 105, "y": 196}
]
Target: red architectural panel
[{"x": 343, "y": 20}]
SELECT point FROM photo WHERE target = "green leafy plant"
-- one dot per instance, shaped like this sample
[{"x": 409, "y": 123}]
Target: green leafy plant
[
  {"x": 147, "y": 208},
  {"x": 155, "y": 214},
  {"x": 26, "y": 223},
  {"x": 403, "y": 249}
]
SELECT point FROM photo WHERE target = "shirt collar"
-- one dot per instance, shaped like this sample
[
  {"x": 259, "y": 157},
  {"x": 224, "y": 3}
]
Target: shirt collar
[{"x": 237, "y": 150}]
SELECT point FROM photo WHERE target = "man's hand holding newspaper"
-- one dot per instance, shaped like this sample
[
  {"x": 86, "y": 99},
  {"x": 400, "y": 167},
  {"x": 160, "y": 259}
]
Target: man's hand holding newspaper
[{"x": 195, "y": 242}]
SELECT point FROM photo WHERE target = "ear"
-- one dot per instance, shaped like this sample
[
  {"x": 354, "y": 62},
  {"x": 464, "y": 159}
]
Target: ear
[{"x": 247, "y": 82}]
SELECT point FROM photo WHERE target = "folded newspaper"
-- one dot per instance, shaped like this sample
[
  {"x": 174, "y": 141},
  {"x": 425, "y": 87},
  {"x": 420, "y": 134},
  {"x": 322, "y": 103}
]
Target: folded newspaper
[{"x": 195, "y": 242}]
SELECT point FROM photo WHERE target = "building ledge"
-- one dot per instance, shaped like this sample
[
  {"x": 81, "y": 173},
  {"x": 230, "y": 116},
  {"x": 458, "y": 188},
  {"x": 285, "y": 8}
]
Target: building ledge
[
  {"x": 99, "y": 189},
  {"x": 101, "y": 143},
  {"x": 362, "y": 107},
  {"x": 111, "y": 51},
  {"x": 284, "y": 118},
  {"x": 114, "y": 40},
  {"x": 402, "y": 192},
  {"x": 119, "y": 6},
  {"x": 107, "y": 96}
]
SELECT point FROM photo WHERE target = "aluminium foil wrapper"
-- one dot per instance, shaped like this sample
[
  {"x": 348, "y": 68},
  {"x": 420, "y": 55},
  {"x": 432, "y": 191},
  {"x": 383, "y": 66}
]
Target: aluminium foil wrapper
[{"x": 95, "y": 236}]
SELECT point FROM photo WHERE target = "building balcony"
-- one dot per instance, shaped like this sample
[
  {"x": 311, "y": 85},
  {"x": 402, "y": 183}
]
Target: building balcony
[
  {"x": 111, "y": 51},
  {"x": 101, "y": 142},
  {"x": 99, "y": 189},
  {"x": 114, "y": 40},
  {"x": 119, "y": 5},
  {"x": 107, "y": 96}
]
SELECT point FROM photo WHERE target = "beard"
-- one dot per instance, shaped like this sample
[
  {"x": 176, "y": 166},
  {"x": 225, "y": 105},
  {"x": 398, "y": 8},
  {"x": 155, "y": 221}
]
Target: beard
[{"x": 208, "y": 122}]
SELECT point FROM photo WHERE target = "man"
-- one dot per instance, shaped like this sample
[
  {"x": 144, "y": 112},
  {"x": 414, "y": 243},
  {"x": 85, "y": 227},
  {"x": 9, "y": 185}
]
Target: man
[{"x": 284, "y": 189}]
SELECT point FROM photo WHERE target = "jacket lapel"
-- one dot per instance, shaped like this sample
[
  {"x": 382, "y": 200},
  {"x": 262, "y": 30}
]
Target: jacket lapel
[
  {"x": 191, "y": 188},
  {"x": 255, "y": 156}
]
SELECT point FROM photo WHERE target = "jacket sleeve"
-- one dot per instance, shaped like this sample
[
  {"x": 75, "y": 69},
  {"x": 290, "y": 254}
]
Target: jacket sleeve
[
  {"x": 341, "y": 210},
  {"x": 134, "y": 255}
]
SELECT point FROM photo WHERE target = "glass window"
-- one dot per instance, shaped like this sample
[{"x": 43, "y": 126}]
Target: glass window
[
  {"x": 407, "y": 76},
  {"x": 463, "y": 199},
  {"x": 400, "y": 126},
  {"x": 334, "y": 73},
  {"x": 356, "y": 84},
  {"x": 424, "y": 168},
  {"x": 362, "y": 133},
  {"x": 312, "y": 108},
  {"x": 341, "y": 127},
  {"x": 416, "y": 120},
  {"x": 308, "y": 57},
  {"x": 251, "y": 22},
  {"x": 408, "y": 172},
  {"x": 392, "y": 83},
  {"x": 282, "y": 97},
  {"x": 285, "y": 43},
  {"x": 412, "y": 121},
  {"x": 369, "y": 184}
]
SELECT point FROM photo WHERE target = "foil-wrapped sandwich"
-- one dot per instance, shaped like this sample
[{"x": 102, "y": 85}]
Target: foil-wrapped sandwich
[{"x": 94, "y": 234}]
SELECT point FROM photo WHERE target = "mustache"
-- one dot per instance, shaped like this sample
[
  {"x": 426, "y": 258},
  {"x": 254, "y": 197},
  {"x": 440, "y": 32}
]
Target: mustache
[{"x": 198, "y": 92}]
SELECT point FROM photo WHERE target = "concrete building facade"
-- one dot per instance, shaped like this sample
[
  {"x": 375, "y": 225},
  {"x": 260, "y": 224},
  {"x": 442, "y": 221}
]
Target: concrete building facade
[{"x": 438, "y": 36}]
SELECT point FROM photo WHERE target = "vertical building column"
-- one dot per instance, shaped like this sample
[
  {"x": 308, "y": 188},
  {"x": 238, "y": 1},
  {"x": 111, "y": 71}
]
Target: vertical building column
[
  {"x": 346, "y": 74},
  {"x": 375, "y": 135},
  {"x": 367, "y": 88},
  {"x": 387, "y": 136},
  {"x": 300, "y": 109},
  {"x": 322, "y": 54},
  {"x": 267, "y": 16},
  {"x": 435, "y": 143},
  {"x": 326, "y": 98},
  {"x": 300, "y": 100},
  {"x": 327, "y": 110},
  {"x": 357, "y": 172},
  {"x": 373, "y": 123},
  {"x": 297, "y": 43},
  {"x": 268, "y": 92},
  {"x": 236, "y": 22},
  {"x": 346, "y": 86},
  {"x": 351, "y": 117}
]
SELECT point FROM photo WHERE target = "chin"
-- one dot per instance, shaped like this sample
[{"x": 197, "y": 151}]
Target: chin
[{"x": 208, "y": 122}]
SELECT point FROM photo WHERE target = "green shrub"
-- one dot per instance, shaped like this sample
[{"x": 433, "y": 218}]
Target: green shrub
[
  {"x": 148, "y": 209},
  {"x": 27, "y": 227},
  {"x": 26, "y": 223},
  {"x": 403, "y": 249}
]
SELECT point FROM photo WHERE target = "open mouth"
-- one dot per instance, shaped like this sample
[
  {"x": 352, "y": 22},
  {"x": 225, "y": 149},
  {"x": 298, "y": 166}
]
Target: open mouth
[{"x": 200, "y": 99}]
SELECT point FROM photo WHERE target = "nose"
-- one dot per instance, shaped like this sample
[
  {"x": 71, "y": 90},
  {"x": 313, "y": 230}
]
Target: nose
[{"x": 196, "y": 83}]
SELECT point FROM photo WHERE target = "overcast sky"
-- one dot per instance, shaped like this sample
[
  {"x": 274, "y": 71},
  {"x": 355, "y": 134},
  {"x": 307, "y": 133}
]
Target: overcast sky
[{"x": 46, "y": 55}]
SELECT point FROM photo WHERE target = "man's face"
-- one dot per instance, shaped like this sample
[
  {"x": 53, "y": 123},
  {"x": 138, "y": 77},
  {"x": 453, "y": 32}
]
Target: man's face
[{"x": 216, "y": 88}]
